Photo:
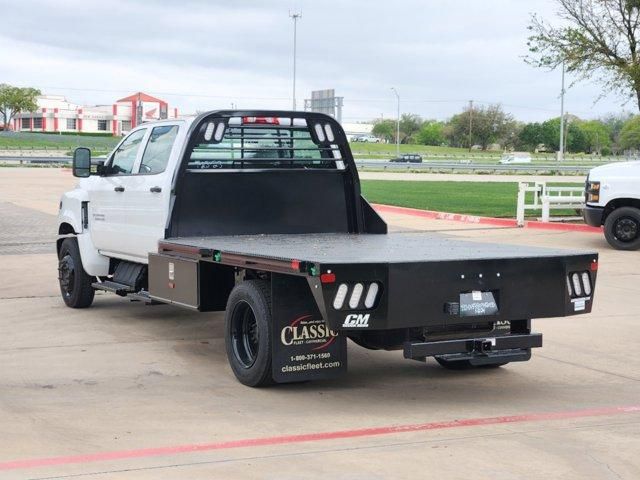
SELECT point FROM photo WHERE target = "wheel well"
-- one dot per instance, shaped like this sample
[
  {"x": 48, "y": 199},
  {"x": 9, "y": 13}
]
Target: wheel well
[
  {"x": 617, "y": 203},
  {"x": 63, "y": 229}
]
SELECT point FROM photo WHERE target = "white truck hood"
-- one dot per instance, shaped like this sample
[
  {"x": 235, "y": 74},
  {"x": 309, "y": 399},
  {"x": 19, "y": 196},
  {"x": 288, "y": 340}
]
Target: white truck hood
[{"x": 618, "y": 169}]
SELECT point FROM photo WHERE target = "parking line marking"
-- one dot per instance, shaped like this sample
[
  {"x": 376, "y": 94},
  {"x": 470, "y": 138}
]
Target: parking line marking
[{"x": 312, "y": 437}]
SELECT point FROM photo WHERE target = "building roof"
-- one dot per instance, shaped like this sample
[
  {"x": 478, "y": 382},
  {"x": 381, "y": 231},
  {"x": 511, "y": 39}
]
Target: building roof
[{"x": 140, "y": 96}]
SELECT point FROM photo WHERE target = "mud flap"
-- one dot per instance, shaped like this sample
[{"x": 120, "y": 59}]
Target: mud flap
[{"x": 303, "y": 346}]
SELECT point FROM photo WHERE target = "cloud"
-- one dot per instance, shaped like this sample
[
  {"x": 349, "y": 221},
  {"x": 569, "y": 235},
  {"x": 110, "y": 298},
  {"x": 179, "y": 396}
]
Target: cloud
[{"x": 207, "y": 54}]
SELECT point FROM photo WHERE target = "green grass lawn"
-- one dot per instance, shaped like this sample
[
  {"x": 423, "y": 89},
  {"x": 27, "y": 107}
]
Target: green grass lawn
[
  {"x": 495, "y": 199},
  {"x": 487, "y": 199}
]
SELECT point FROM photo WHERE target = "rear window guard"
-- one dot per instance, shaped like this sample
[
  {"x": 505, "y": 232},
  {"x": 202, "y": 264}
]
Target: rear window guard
[{"x": 246, "y": 143}]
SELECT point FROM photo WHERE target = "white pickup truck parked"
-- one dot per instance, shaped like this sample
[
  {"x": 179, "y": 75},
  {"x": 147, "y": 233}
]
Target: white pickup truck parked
[{"x": 613, "y": 200}]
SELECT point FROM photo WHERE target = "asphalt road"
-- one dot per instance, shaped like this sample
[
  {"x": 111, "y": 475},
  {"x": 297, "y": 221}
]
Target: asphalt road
[{"x": 123, "y": 390}]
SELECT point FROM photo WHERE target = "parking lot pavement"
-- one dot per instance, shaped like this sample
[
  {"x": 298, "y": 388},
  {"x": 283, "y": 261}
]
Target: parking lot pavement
[{"x": 124, "y": 390}]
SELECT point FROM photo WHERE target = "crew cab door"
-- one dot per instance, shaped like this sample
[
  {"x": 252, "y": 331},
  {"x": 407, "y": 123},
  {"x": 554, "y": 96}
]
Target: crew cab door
[
  {"x": 148, "y": 192},
  {"x": 108, "y": 222}
]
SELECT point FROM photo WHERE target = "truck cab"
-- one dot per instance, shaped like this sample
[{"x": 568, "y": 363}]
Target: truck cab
[
  {"x": 612, "y": 195},
  {"x": 128, "y": 198}
]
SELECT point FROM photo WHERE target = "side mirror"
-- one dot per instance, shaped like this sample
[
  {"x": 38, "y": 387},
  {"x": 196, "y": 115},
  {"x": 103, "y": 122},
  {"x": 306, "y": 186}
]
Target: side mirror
[{"x": 81, "y": 162}]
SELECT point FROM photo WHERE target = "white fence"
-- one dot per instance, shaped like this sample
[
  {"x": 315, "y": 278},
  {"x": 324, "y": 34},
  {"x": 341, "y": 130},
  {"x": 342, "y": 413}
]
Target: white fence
[{"x": 546, "y": 199}]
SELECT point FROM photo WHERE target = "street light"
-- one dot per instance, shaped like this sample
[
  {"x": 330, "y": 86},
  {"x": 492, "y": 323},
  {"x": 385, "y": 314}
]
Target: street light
[
  {"x": 294, "y": 17},
  {"x": 397, "y": 124},
  {"x": 562, "y": 91}
]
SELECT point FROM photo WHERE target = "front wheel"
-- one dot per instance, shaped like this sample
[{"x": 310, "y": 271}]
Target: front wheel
[
  {"x": 247, "y": 332},
  {"x": 622, "y": 228},
  {"x": 75, "y": 284}
]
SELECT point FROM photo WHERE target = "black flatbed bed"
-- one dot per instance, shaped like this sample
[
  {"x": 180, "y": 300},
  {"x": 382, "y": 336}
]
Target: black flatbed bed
[{"x": 343, "y": 248}]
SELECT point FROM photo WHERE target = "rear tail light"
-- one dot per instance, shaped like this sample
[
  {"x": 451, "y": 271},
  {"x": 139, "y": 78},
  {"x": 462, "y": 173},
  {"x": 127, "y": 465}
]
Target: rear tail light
[
  {"x": 372, "y": 294},
  {"x": 586, "y": 283},
  {"x": 356, "y": 293},
  {"x": 355, "y": 296},
  {"x": 579, "y": 284},
  {"x": 341, "y": 294},
  {"x": 577, "y": 287}
]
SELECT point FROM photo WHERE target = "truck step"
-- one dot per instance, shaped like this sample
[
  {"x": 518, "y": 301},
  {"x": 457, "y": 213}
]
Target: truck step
[{"x": 114, "y": 287}]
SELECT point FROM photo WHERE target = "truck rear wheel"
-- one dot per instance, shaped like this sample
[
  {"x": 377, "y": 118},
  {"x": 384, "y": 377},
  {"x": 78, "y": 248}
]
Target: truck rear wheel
[
  {"x": 622, "y": 228},
  {"x": 248, "y": 333},
  {"x": 75, "y": 284}
]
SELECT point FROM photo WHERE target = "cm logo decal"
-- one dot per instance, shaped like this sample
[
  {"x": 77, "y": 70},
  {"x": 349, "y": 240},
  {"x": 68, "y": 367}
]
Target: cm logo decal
[{"x": 356, "y": 320}]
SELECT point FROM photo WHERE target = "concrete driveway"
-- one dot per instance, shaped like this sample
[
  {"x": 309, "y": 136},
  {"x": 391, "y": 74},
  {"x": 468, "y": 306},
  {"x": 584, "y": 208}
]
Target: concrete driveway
[{"x": 124, "y": 390}]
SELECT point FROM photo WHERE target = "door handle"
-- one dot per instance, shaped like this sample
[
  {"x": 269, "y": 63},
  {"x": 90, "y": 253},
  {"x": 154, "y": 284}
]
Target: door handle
[
  {"x": 155, "y": 189},
  {"x": 118, "y": 189}
]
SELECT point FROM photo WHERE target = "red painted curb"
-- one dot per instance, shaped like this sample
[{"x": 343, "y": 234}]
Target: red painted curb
[
  {"x": 312, "y": 437},
  {"x": 500, "y": 222}
]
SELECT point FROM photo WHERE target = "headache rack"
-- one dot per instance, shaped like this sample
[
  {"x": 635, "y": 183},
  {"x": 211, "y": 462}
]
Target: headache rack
[{"x": 285, "y": 140}]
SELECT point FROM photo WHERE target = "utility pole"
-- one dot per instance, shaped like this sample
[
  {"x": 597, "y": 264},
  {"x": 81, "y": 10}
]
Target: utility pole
[
  {"x": 397, "y": 124},
  {"x": 566, "y": 134},
  {"x": 470, "y": 124},
  {"x": 561, "y": 151},
  {"x": 295, "y": 17}
]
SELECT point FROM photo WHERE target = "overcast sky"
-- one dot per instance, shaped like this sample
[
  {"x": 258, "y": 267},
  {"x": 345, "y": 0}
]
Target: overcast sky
[{"x": 201, "y": 55}]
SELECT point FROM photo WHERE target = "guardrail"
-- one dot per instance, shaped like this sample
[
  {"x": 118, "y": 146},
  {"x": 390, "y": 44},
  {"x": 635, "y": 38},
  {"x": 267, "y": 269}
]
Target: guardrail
[
  {"x": 477, "y": 167},
  {"x": 35, "y": 160},
  {"x": 546, "y": 199},
  {"x": 460, "y": 156}
]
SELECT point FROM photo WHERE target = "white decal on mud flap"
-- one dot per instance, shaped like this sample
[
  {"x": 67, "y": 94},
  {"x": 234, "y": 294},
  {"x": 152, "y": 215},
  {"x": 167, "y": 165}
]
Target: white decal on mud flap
[
  {"x": 356, "y": 320},
  {"x": 579, "y": 305}
]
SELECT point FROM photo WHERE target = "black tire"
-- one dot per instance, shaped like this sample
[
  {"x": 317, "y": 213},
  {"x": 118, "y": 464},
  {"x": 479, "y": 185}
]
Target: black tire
[
  {"x": 247, "y": 333},
  {"x": 75, "y": 284},
  {"x": 622, "y": 228},
  {"x": 465, "y": 364}
]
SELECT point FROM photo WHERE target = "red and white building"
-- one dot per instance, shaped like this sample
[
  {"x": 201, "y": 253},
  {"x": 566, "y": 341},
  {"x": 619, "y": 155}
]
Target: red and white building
[{"x": 56, "y": 114}]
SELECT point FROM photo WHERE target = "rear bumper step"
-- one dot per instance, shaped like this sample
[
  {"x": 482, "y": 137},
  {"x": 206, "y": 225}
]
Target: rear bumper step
[{"x": 468, "y": 348}]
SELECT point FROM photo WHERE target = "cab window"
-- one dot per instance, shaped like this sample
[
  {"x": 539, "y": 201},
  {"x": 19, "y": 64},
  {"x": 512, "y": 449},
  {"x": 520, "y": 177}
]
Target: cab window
[
  {"x": 158, "y": 150},
  {"x": 125, "y": 156}
]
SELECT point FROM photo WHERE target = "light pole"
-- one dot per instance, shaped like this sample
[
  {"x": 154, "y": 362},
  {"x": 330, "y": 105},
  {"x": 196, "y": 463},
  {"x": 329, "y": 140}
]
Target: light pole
[
  {"x": 397, "y": 124},
  {"x": 295, "y": 17},
  {"x": 561, "y": 151}
]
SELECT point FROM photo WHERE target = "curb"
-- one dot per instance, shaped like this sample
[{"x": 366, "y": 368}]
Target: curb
[{"x": 497, "y": 222}]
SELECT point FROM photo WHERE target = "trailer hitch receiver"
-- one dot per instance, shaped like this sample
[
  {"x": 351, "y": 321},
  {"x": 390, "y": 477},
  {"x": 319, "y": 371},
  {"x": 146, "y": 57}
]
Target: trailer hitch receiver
[{"x": 484, "y": 345}]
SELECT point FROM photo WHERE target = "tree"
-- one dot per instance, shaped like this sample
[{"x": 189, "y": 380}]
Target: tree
[
  {"x": 551, "y": 133},
  {"x": 385, "y": 129},
  {"x": 489, "y": 125},
  {"x": 630, "y": 134},
  {"x": 531, "y": 135},
  {"x": 597, "y": 136},
  {"x": 431, "y": 133},
  {"x": 575, "y": 138},
  {"x": 410, "y": 124},
  {"x": 615, "y": 123},
  {"x": 14, "y": 100},
  {"x": 597, "y": 39}
]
